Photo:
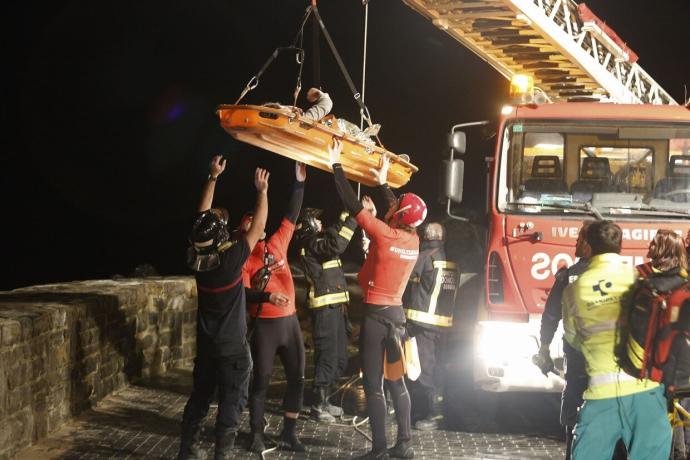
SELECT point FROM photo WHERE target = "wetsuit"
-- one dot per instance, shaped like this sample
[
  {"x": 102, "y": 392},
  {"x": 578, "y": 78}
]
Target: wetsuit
[
  {"x": 575, "y": 372},
  {"x": 383, "y": 277},
  {"x": 222, "y": 356},
  {"x": 276, "y": 330}
]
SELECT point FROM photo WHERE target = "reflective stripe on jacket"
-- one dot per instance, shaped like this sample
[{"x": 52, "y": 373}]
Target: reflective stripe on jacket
[
  {"x": 430, "y": 294},
  {"x": 322, "y": 266},
  {"x": 591, "y": 310}
]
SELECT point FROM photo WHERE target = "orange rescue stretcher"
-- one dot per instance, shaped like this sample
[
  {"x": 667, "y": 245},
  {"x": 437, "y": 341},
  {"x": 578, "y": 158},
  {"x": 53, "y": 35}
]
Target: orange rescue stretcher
[{"x": 283, "y": 131}]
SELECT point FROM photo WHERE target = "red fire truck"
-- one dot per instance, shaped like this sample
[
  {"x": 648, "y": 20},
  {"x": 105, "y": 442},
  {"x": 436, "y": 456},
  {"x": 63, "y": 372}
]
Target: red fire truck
[
  {"x": 591, "y": 136},
  {"x": 554, "y": 166}
]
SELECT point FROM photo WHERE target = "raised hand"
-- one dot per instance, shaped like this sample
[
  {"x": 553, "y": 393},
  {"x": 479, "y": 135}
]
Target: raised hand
[
  {"x": 279, "y": 300},
  {"x": 334, "y": 151},
  {"x": 381, "y": 174},
  {"x": 217, "y": 166},
  {"x": 313, "y": 95},
  {"x": 300, "y": 171},
  {"x": 261, "y": 180},
  {"x": 368, "y": 204}
]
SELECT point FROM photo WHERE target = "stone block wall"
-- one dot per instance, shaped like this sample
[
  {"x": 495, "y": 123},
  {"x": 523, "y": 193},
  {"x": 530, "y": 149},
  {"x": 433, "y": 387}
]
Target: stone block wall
[{"x": 64, "y": 347}]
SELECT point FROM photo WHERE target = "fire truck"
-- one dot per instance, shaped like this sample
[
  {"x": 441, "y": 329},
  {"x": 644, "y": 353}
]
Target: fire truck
[{"x": 589, "y": 135}]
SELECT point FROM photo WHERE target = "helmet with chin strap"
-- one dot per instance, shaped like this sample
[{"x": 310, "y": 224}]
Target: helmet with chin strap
[
  {"x": 306, "y": 224},
  {"x": 208, "y": 233},
  {"x": 411, "y": 210}
]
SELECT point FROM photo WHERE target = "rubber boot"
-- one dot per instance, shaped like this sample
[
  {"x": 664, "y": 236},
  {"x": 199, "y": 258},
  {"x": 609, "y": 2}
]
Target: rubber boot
[
  {"x": 257, "y": 444},
  {"x": 189, "y": 438},
  {"x": 426, "y": 424},
  {"x": 225, "y": 441},
  {"x": 288, "y": 437},
  {"x": 319, "y": 410},
  {"x": 335, "y": 411},
  {"x": 401, "y": 449},
  {"x": 429, "y": 423}
]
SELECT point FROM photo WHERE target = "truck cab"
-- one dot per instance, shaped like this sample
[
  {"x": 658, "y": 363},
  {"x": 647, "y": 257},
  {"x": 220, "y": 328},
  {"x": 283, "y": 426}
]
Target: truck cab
[{"x": 553, "y": 167}]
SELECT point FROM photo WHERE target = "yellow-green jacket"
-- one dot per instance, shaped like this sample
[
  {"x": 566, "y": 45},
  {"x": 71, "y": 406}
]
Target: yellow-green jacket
[{"x": 591, "y": 310}]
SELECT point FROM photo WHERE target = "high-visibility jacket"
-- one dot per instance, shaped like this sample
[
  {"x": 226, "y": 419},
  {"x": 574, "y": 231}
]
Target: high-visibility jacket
[
  {"x": 321, "y": 263},
  {"x": 429, "y": 297},
  {"x": 591, "y": 311}
]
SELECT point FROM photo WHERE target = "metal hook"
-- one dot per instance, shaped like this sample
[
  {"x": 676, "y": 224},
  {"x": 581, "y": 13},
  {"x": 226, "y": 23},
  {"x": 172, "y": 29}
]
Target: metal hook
[{"x": 253, "y": 83}]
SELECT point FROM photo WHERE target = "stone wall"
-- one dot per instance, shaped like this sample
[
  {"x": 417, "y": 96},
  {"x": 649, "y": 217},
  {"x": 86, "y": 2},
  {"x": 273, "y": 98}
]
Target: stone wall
[{"x": 64, "y": 347}]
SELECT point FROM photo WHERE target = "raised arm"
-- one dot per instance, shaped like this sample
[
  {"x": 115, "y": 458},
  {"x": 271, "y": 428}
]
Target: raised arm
[
  {"x": 216, "y": 169},
  {"x": 322, "y": 104},
  {"x": 295, "y": 204},
  {"x": 256, "y": 229},
  {"x": 342, "y": 186},
  {"x": 381, "y": 176},
  {"x": 335, "y": 238}
]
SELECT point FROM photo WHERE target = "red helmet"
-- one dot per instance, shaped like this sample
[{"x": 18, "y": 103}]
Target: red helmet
[{"x": 411, "y": 210}]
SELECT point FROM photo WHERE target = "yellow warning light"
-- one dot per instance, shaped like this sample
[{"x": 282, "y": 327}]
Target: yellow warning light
[{"x": 522, "y": 88}]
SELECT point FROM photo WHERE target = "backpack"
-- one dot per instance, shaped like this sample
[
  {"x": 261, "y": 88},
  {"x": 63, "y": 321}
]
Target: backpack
[{"x": 655, "y": 342}]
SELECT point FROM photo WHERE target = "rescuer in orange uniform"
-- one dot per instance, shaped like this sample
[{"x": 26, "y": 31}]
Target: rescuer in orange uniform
[
  {"x": 392, "y": 254},
  {"x": 276, "y": 330}
]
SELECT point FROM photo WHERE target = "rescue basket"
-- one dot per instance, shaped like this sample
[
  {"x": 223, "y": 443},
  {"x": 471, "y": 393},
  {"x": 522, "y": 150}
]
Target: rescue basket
[{"x": 286, "y": 133}]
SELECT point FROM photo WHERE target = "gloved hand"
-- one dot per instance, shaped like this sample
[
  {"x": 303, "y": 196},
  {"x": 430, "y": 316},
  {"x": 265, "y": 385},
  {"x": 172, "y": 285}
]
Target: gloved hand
[{"x": 543, "y": 361}]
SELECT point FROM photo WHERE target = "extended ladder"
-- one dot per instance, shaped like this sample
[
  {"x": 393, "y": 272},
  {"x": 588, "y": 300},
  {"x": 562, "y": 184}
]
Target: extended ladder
[{"x": 570, "y": 53}]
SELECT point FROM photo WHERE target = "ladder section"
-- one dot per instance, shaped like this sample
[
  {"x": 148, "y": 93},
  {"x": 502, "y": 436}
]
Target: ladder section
[{"x": 571, "y": 54}]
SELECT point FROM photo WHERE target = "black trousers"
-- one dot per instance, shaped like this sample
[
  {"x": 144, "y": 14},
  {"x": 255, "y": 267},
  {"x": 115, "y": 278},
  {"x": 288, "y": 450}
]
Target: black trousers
[
  {"x": 229, "y": 373},
  {"x": 426, "y": 386},
  {"x": 330, "y": 344},
  {"x": 371, "y": 347},
  {"x": 576, "y": 381},
  {"x": 271, "y": 337}
]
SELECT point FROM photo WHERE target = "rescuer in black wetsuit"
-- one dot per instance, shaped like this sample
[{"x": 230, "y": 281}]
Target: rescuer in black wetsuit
[
  {"x": 392, "y": 254},
  {"x": 223, "y": 361},
  {"x": 429, "y": 301},
  {"x": 576, "y": 379},
  {"x": 327, "y": 300}
]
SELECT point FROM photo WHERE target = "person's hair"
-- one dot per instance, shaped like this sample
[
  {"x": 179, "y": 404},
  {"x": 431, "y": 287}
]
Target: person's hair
[
  {"x": 667, "y": 251},
  {"x": 585, "y": 226},
  {"x": 604, "y": 236},
  {"x": 434, "y": 232}
]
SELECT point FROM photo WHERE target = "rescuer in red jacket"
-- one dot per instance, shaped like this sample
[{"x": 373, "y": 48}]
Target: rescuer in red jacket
[
  {"x": 276, "y": 330},
  {"x": 392, "y": 254}
]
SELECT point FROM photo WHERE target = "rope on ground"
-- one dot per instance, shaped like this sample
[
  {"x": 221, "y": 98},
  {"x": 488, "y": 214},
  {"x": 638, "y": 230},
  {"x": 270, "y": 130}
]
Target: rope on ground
[{"x": 268, "y": 438}]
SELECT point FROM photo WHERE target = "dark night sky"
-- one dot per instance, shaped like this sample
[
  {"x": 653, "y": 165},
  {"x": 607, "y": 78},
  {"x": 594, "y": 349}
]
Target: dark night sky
[{"x": 109, "y": 121}]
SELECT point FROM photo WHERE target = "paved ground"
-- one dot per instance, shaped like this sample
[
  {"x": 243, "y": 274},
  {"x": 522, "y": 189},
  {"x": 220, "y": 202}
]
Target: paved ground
[{"x": 142, "y": 421}]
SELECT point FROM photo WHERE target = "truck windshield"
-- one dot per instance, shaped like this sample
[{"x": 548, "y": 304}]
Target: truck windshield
[{"x": 611, "y": 169}]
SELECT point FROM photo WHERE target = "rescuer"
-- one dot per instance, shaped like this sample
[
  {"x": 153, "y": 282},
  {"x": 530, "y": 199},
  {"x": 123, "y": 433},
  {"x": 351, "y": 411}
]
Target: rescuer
[
  {"x": 575, "y": 371},
  {"x": 617, "y": 405},
  {"x": 429, "y": 301},
  {"x": 392, "y": 254},
  {"x": 222, "y": 359},
  {"x": 327, "y": 301},
  {"x": 275, "y": 328}
]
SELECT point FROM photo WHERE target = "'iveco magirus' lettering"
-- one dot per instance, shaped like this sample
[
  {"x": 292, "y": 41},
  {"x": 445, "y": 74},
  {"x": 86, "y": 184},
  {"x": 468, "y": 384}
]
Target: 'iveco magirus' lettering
[
  {"x": 543, "y": 265},
  {"x": 634, "y": 234}
]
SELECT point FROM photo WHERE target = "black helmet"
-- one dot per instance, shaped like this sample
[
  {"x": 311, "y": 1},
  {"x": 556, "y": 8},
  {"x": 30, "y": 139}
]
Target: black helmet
[
  {"x": 208, "y": 232},
  {"x": 306, "y": 224}
]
